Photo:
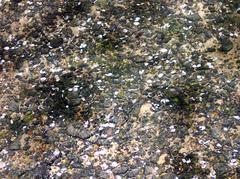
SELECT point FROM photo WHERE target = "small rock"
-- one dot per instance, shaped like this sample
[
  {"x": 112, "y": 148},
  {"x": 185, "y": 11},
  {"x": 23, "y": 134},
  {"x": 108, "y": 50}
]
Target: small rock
[
  {"x": 103, "y": 174},
  {"x": 222, "y": 170},
  {"x": 2, "y": 165},
  {"x": 211, "y": 49},
  {"x": 238, "y": 10},
  {"x": 120, "y": 170},
  {"x": 15, "y": 145},
  {"x": 162, "y": 159},
  {"x": 168, "y": 176},
  {"x": 56, "y": 42},
  {"x": 103, "y": 142},
  {"x": 13, "y": 106},
  {"x": 148, "y": 170},
  {"x": 194, "y": 17},
  {"x": 226, "y": 45},
  {"x": 145, "y": 109},
  {"x": 93, "y": 139},
  {"x": 161, "y": 38},
  {"x": 75, "y": 101},
  {"x": 41, "y": 171},
  {"x": 138, "y": 59},
  {"x": 81, "y": 132},
  {"x": 82, "y": 173},
  {"x": 133, "y": 173}
]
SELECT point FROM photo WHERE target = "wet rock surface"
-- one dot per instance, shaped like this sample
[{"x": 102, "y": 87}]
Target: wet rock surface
[{"x": 119, "y": 89}]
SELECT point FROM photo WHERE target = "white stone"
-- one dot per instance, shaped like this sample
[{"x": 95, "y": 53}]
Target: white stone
[
  {"x": 56, "y": 152},
  {"x": 136, "y": 23},
  {"x": 83, "y": 45},
  {"x": 114, "y": 164},
  {"x": 6, "y": 48},
  {"x": 164, "y": 50},
  {"x": 109, "y": 74},
  {"x": 202, "y": 128},
  {"x": 137, "y": 19},
  {"x": 210, "y": 65},
  {"x": 2, "y": 165},
  {"x": 236, "y": 117},
  {"x": 172, "y": 129},
  {"x": 108, "y": 125}
]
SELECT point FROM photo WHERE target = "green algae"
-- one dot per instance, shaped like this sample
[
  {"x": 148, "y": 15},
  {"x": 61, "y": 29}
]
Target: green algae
[
  {"x": 190, "y": 168},
  {"x": 115, "y": 65},
  {"x": 73, "y": 7},
  {"x": 175, "y": 26},
  {"x": 4, "y": 134},
  {"x": 102, "y": 3},
  {"x": 234, "y": 18},
  {"x": 184, "y": 96},
  {"x": 28, "y": 117}
]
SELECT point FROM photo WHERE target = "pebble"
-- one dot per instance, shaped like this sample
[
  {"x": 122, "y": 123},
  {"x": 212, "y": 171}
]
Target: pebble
[
  {"x": 226, "y": 45},
  {"x": 136, "y": 23},
  {"x": 2, "y": 165},
  {"x": 81, "y": 133},
  {"x": 13, "y": 106},
  {"x": 120, "y": 170},
  {"x": 56, "y": 42},
  {"x": 104, "y": 175},
  {"x": 133, "y": 172},
  {"x": 194, "y": 17},
  {"x": 15, "y": 145}
]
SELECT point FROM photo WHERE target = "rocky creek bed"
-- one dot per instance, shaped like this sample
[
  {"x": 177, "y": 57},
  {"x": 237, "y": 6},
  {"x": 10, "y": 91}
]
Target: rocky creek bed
[{"x": 119, "y": 89}]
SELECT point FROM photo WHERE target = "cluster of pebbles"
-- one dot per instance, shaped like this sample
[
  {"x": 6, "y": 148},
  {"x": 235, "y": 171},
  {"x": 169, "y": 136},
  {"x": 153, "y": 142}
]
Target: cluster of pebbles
[{"x": 119, "y": 89}]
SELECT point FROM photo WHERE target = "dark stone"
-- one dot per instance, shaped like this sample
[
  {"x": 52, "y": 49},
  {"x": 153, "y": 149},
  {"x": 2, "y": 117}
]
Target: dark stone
[
  {"x": 74, "y": 7},
  {"x": 238, "y": 172},
  {"x": 211, "y": 49},
  {"x": 45, "y": 49},
  {"x": 162, "y": 38},
  {"x": 17, "y": 125},
  {"x": 219, "y": 20},
  {"x": 75, "y": 101},
  {"x": 56, "y": 42},
  {"x": 226, "y": 45},
  {"x": 49, "y": 19},
  {"x": 16, "y": 1},
  {"x": 67, "y": 32},
  {"x": 238, "y": 10},
  {"x": 72, "y": 95},
  {"x": 120, "y": 170}
]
